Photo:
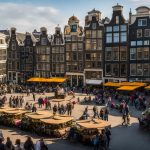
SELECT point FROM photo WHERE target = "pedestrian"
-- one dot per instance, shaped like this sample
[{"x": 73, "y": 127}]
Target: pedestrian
[
  {"x": 28, "y": 145},
  {"x": 106, "y": 114},
  {"x": 34, "y": 109},
  {"x": 18, "y": 145},
  {"x": 2, "y": 146},
  {"x": 9, "y": 145},
  {"x": 55, "y": 109},
  {"x": 33, "y": 94},
  {"x": 108, "y": 134},
  {"x": 96, "y": 142}
]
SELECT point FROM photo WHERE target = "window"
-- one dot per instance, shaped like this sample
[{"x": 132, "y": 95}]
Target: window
[
  {"x": 80, "y": 56},
  {"x": 13, "y": 46},
  {"x": 108, "y": 38},
  {"x": 146, "y": 53},
  {"x": 123, "y": 37},
  {"x": 99, "y": 44},
  {"x": 146, "y": 69},
  {"x": 139, "y": 54},
  {"x": 108, "y": 53},
  {"x": 116, "y": 37},
  {"x": 115, "y": 54},
  {"x": 43, "y": 41},
  {"x": 139, "y": 33},
  {"x": 88, "y": 33},
  {"x": 133, "y": 43},
  {"x": 74, "y": 38},
  {"x": 94, "y": 34},
  {"x": 132, "y": 53},
  {"x": 108, "y": 29},
  {"x": 139, "y": 70},
  {"x": 73, "y": 28},
  {"x": 74, "y": 56},
  {"x": 123, "y": 70},
  {"x": 93, "y": 25},
  {"x": 142, "y": 22},
  {"x": 108, "y": 69},
  {"x": 80, "y": 46},
  {"x": 58, "y": 41},
  {"x": 117, "y": 19},
  {"x": 123, "y": 28},
  {"x": 88, "y": 57},
  {"x": 132, "y": 69},
  {"x": 123, "y": 53},
  {"x": 93, "y": 44},
  {"x": 74, "y": 46},
  {"x": 115, "y": 28},
  {"x": 147, "y": 32},
  {"x": 139, "y": 43},
  {"x": 115, "y": 70},
  {"x": 68, "y": 47},
  {"x": 99, "y": 34},
  {"x": 146, "y": 42},
  {"x": 88, "y": 44}
]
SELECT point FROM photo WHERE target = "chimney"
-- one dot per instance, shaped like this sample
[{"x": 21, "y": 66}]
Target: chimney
[
  {"x": 130, "y": 14},
  {"x": 43, "y": 30},
  {"x": 13, "y": 31}
]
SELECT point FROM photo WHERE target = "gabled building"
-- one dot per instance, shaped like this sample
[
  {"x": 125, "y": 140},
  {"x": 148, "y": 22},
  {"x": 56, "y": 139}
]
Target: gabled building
[
  {"x": 115, "y": 60},
  {"x": 3, "y": 58},
  {"x": 139, "y": 44},
  {"x": 43, "y": 55},
  {"x": 27, "y": 57},
  {"x": 73, "y": 34},
  {"x": 16, "y": 42},
  {"x": 58, "y": 53},
  {"x": 94, "y": 30}
]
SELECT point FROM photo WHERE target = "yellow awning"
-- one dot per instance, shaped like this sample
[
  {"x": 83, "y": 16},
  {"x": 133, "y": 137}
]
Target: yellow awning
[
  {"x": 112, "y": 84},
  {"x": 54, "y": 80},
  {"x": 128, "y": 88},
  {"x": 37, "y": 80},
  {"x": 147, "y": 87}
]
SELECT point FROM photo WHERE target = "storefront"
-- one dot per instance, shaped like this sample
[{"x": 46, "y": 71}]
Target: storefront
[
  {"x": 75, "y": 79},
  {"x": 93, "y": 76}
]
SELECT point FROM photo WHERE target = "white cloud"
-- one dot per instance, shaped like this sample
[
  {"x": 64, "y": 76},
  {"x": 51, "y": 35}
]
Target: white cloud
[
  {"x": 28, "y": 17},
  {"x": 141, "y": 2}
]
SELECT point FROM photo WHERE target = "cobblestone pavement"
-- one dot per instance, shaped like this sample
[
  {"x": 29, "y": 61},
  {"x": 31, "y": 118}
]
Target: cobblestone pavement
[{"x": 123, "y": 138}]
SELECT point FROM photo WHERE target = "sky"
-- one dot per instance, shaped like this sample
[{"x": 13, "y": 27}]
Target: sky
[{"x": 27, "y": 15}]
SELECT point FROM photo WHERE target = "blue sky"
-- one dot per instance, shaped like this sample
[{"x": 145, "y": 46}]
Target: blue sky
[{"x": 26, "y": 15}]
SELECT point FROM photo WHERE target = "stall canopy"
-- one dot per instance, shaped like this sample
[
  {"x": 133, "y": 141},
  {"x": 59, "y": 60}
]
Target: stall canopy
[
  {"x": 114, "y": 84},
  {"x": 147, "y": 87},
  {"x": 93, "y": 124},
  {"x": 128, "y": 88},
  {"x": 47, "y": 80}
]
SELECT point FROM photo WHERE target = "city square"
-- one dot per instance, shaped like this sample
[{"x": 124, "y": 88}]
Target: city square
[{"x": 74, "y": 75}]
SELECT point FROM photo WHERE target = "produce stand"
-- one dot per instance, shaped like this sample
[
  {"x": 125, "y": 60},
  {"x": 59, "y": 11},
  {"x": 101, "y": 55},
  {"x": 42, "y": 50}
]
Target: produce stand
[
  {"x": 57, "y": 126},
  {"x": 11, "y": 116},
  {"x": 89, "y": 128}
]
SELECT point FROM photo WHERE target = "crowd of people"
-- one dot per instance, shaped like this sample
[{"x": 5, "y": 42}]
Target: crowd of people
[{"x": 27, "y": 145}]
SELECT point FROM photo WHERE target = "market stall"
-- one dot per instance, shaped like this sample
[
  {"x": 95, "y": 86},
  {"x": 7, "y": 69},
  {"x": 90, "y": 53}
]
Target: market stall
[
  {"x": 57, "y": 126},
  {"x": 89, "y": 128},
  {"x": 31, "y": 121},
  {"x": 12, "y": 116}
]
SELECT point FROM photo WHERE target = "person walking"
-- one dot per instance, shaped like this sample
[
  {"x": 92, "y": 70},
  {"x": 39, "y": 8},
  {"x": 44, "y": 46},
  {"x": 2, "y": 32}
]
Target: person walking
[
  {"x": 18, "y": 145},
  {"x": 108, "y": 134},
  {"x": 2, "y": 146},
  {"x": 28, "y": 145},
  {"x": 9, "y": 145}
]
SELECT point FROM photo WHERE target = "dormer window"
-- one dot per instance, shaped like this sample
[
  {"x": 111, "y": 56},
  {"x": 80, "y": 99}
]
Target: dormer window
[
  {"x": 142, "y": 22},
  {"x": 44, "y": 41},
  {"x": 13, "y": 46},
  {"x": 93, "y": 26},
  {"x": 117, "y": 19},
  {"x": 74, "y": 28}
]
